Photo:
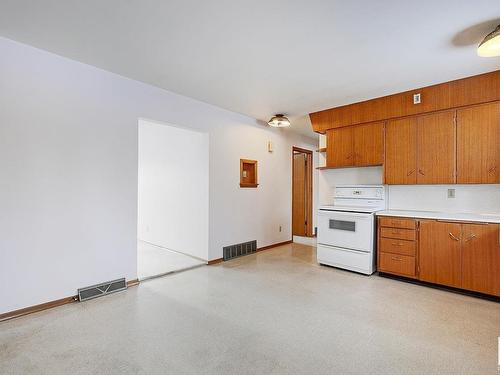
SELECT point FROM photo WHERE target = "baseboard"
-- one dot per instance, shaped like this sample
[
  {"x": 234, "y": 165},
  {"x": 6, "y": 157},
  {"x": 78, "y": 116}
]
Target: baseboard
[
  {"x": 274, "y": 245},
  {"x": 37, "y": 308},
  {"x": 48, "y": 305},
  {"x": 219, "y": 260},
  {"x": 215, "y": 261}
]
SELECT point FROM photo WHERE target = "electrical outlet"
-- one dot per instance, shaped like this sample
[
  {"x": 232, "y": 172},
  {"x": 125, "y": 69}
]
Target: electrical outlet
[
  {"x": 451, "y": 193},
  {"x": 417, "y": 99}
]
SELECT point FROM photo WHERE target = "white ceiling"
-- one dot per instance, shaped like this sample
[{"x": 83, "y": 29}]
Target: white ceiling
[{"x": 263, "y": 57}]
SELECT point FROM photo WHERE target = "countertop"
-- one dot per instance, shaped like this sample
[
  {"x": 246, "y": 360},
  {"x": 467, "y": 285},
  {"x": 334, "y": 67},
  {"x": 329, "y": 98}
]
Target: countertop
[{"x": 484, "y": 218}]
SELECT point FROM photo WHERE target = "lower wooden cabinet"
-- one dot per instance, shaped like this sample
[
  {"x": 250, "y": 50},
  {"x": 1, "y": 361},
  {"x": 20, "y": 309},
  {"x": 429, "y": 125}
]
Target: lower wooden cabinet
[
  {"x": 440, "y": 255},
  {"x": 481, "y": 258},
  {"x": 460, "y": 255}
]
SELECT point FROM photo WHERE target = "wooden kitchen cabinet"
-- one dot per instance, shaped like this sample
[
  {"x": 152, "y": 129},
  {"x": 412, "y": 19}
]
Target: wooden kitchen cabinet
[
  {"x": 436, "y": 152},
  {"x": 401, "y": 152},
  {"x": 440, "y": 254},
  {"x": 339, "y": 147},
  {"x": 481, "y": 258},
  {"x": 478, "y": 140},
  {"x": 360, "y": 146},
  {"x": 369, "y": 144}
]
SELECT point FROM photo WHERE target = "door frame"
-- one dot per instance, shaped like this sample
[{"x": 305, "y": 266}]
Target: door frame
[{"x": 309, "y": 189}]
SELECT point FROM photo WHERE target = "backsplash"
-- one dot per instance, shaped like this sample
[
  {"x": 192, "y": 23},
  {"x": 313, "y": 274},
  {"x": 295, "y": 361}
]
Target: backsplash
[{"x": 480, "y": 199}]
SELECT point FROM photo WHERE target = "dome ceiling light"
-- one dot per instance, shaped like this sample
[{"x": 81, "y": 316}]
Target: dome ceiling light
[
  {"x": 279, "y": 121},
  {"x": 490, "y": 46}
]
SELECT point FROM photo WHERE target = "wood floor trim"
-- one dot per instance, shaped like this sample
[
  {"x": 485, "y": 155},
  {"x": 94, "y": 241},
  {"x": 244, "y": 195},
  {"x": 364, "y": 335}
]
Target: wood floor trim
[
  {"x": 274, "y": 245},
  {"x": 219, "y": 260},
  {"x": 48, "y": 305}
]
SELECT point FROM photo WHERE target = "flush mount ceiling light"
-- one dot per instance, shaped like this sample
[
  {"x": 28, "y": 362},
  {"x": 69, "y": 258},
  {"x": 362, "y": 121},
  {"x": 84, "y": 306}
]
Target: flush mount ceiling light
[
  {"x": 279, "y": 121},
  {"x": 490, "y": 46}
]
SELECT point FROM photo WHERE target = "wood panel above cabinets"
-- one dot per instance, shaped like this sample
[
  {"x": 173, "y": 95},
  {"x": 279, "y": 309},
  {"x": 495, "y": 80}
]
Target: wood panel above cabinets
[
  {"x": 358, "y": 146},
  {"x": 483, "y": 88}
]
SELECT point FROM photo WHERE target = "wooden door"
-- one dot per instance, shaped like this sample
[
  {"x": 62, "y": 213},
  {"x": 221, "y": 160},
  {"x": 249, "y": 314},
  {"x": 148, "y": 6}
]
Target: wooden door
[
  {"x": 369, "y": 144},
  {"x": 401, "y": 151},
  {"x": 440, "y": 259},
  {"x": 339, "y": 147},
  {"x": 481, "y": 258},
  {"x": 299, "y": 202},
  {"x": 436, "y": 148},
  {"x": 478, "y": 140}
]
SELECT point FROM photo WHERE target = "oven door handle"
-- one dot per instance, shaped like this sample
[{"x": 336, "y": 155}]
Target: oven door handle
[{"x": 343, "y": 215}]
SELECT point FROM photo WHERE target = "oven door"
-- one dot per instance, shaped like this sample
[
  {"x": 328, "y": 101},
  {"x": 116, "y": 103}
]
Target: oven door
[{"x": 349, "y": 230}]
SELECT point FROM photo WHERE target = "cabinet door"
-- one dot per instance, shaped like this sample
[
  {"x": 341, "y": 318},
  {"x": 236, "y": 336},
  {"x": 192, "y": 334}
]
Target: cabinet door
[
  {"x": 440, "y": 258},
  {"x": 369, "y": 144},
  {"x": 478, "y": 137},
  {"x": 401, "y": 152},
  {"x": 339, "y": 147},
  {"x": 481, "y": 258},
  {"x": 436, "y": 148}
]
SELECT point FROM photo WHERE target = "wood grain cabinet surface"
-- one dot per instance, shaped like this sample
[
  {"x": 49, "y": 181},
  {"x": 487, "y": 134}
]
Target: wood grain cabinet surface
[
  {"x": 360, "y": 146},
  {"x": 478, "y": 144},
  {"x": 401, "y": 152}
]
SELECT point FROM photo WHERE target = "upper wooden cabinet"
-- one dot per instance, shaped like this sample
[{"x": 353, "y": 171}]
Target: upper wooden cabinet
[
  {"x": 339, "y": 148},
  {"x": 361, "y": 145},
  {"x": 436, "y": 153},
  {"x": 478, "y": 140},
  {"x": 421, "y": 150},
  {"x": 481, "y": 258},
  {"x": 440, "y": 256},
  {"x": 401, "y": 152},
  {"x": 369, "y": 144}
]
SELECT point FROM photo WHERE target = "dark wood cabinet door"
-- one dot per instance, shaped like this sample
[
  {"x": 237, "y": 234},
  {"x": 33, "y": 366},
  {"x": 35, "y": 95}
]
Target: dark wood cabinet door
[
  {"x": 478, "y": 140},
  {"x": 436, "y": 148},
  {"x": 369, "y": 144},
  {"x": 440, "y": 254},
  {"x": 339, "y": 147},
  {"x": 481, "y": 258},
  {"x": 400, "y": 166}
]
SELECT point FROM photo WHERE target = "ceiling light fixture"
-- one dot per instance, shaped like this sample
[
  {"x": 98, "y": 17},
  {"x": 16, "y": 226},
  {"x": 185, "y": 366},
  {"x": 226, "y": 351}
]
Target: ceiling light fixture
[
  {"x": 279, "y": 121},
  {"x": 490, "y": 46}
]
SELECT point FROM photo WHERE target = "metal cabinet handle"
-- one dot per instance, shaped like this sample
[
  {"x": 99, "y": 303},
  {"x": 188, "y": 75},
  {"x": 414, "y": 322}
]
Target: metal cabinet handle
[
  {"x": 421, "y": 172},
  {"x": 349, "y": 156},
  {"x": 411, "y": 172},
  {"x": 492, "y": 169},
  {"x": 395, "y": 258},
  {"x": 395, "y": 222},
  {"x": 396, "y": 244},
  {"x": 470, "y": 238},
  {"x": 453, "y": 237}
]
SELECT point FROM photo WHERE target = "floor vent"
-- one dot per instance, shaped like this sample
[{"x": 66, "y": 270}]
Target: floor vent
[
  {"x": 98, "y": 290},
  {"x": 240, "y": 249}
]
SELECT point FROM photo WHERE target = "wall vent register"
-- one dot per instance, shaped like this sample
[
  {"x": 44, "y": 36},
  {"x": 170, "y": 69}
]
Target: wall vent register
[{"x": 238, "y": 250}]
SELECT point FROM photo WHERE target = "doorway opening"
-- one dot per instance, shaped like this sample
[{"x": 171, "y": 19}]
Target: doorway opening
[
  {"x": 172, "y": 209},
  {"x": 302, "y": 192}
]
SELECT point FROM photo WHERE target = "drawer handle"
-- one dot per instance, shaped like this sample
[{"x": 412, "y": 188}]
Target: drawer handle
[
  {"x": 396, "y": 232},
  {"x": 396, "y": 244},
  {"x": 453, "y": 237},
  {"x": 395, "y": 222},
  {"x": 421, "y": 172},
  {"x": 398, "y": 259},
  {"x": 410, "y": 172},
  {"x": 492, "y": 169}
]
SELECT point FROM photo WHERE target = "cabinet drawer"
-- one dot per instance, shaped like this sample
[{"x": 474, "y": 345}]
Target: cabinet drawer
[
  {"x": 397, "y": 264},
  {"x": 401, "y": 234},
  {"x": 403, "y": 247},
  {"x": 397, "y": 222}
]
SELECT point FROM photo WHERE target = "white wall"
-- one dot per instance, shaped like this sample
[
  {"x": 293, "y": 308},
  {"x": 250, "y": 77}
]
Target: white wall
[
  {"x": 68, "y": 156},
  {"x": 479, "y": 199},
  {"x": 173, "y": 188}
]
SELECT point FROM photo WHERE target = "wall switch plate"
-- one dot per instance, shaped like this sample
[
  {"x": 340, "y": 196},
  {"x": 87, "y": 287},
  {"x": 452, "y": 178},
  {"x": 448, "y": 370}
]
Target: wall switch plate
[
  {"x": 451, "y": 193},
  {"x": 417, "y": 99},
  {"x": 269, "y": 146}
]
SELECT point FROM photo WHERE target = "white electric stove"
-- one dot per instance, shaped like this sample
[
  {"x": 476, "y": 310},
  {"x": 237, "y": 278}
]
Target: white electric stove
[{"x": 346, "y": 229}]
